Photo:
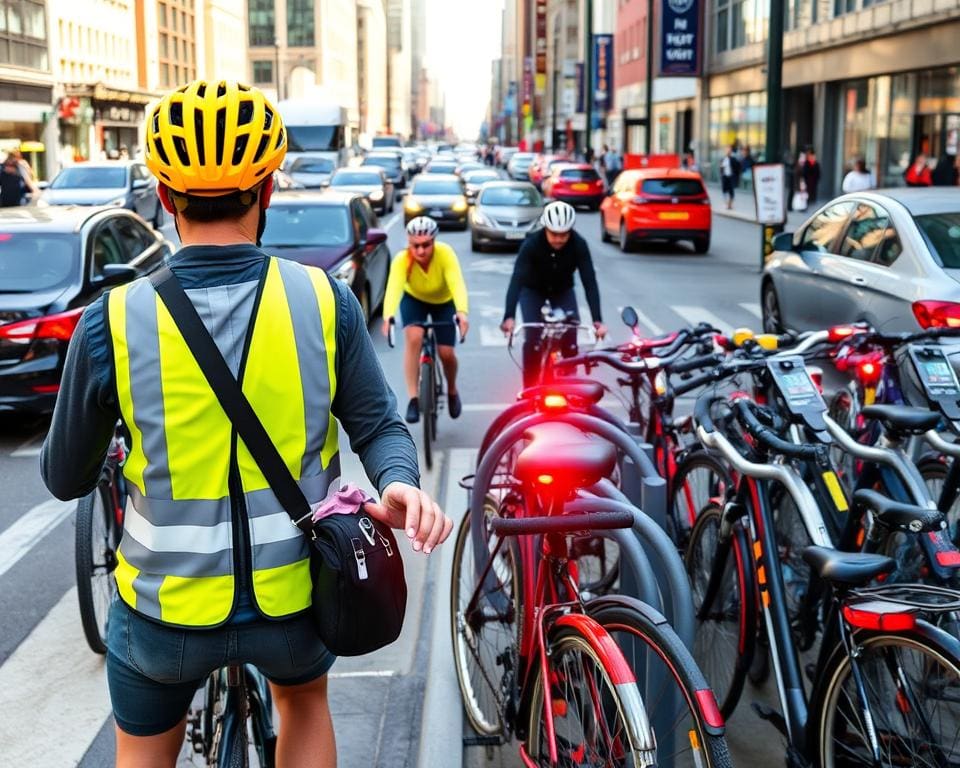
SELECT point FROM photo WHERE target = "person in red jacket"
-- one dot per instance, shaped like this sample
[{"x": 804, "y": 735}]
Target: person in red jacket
[{"x": 918, "y": 174}]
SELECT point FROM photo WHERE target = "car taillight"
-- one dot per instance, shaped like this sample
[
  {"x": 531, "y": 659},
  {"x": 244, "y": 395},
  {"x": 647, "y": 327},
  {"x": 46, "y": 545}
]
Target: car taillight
[
  {"x": 937, "y": 314},
  {"x": 59, "y": 327}
]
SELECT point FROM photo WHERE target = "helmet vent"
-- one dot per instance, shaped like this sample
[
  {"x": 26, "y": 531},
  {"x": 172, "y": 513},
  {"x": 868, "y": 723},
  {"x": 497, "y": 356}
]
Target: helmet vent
[
  {"x": 176, "y": 114},
  {"x": 261, "y": 148},
  {"x": 156, "y": 121},
  {"x": 267, "y": 119},
  {"x": 245, "y": 114},
  {"x": 280, "y": 139},
  {"x": 221, "y": 133},
  {"x": 221, "y": 90},
  {"x": 201, "y": 90},
  {"x": 239, "y": 149},
  {"x": 198, "y": 132},
  {"x": 161, "y": 152},
  {"x": 181, "y": 146}
]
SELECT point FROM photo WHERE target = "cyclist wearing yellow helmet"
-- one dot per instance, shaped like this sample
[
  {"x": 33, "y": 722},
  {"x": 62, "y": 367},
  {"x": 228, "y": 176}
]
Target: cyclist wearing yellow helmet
[{"x": 209, "y": 569}]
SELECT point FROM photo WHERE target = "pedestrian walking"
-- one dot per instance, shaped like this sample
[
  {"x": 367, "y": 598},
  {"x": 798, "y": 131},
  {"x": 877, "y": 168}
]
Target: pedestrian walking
[
  {"x": 945, "y": 174},
  {"x": 810, "y": 173},
  {"x": 26, "y": 173},
  {"x": 918, "y": 174},
  {"x": 12, "y": 186},
  {"x": 859, "y": 179},
  {"x": 689, "y": 162},
  {"x": 729, "y": 175},
  {"x": 747, "y": 162},
  {"x": 611, "y": 164}
]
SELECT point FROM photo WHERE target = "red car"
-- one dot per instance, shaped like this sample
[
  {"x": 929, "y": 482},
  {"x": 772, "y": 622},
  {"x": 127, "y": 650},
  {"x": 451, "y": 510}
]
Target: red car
[
  {"x": 657, "y": 204},
  {"x": 575, "y": 183},
  {"x": 542, "y": 167}
]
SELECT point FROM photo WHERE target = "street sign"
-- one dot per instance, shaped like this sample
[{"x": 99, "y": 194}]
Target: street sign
[
  {"x": 769, "y": 193},
  {"x": 680, "y": 38}
]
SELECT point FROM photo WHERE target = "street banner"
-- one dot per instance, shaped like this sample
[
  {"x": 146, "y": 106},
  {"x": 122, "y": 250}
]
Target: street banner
[
  {"x": 541, "y": 41},
  {"x": 680, "y": 43},
  {"x": 527, "y": 94},
  {"x": 769, "y": 193},
  {"x": 602, "y": 76}
]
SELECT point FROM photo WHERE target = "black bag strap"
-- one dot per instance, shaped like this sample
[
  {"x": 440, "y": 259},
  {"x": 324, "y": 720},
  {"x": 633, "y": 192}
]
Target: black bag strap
[{"x": 231, "y": 397}]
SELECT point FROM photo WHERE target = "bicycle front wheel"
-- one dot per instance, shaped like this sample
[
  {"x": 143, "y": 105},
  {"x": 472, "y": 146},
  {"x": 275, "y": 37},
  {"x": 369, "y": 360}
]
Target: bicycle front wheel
[
  {"x": 912, "y": 686},
  {"x": 595, "y": 721},
  {"x": 95, "y": 562},
  {"x": 701, "y": 478},
  {"x": 427, "y": 406}
]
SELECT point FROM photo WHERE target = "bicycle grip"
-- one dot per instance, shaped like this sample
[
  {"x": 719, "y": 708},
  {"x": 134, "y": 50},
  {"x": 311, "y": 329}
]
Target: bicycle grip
[
  {"x": 595, "y": 521},
  {"x": 695, "y": 363},
  {"x": 770, "y": 438}
]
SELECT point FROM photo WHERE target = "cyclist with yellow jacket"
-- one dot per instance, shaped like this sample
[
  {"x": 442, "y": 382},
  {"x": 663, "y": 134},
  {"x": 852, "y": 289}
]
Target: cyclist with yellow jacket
[{"x": 426, "y": 282}]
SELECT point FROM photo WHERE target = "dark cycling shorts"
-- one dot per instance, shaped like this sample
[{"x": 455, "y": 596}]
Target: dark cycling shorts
[
  {"x": 153, "y": 670},
  {"x": 412, "y": 310}
]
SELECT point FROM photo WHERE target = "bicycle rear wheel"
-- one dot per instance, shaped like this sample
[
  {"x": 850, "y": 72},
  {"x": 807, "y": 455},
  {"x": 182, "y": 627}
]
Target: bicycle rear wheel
[
  {"x": 701, "y": 478},
  {"x": 427, "y": 406},
  {"x": 95, "y": 561},
  {"x": 682, "y": 709}
]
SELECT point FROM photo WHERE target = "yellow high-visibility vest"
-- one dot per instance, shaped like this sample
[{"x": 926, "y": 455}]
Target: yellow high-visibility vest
[{"x": 177, "y": 557}]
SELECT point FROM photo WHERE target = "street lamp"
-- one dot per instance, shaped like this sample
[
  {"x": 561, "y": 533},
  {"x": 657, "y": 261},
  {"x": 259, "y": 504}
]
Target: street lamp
[{"x": 276, "y": 65}]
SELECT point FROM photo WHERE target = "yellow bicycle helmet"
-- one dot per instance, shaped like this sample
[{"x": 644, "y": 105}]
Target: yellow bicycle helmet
[{"x": 214, "y": 138}]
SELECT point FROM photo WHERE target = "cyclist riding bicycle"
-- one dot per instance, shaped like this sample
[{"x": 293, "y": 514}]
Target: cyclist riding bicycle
[
  {"x": 210, "y": 571},
  {"x": 544, "y": 272},
  {"x": 426, "y": 283}
]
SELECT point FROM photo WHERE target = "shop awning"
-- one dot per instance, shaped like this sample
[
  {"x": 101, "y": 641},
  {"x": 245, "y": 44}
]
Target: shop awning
[{"x": 101, "y": 92}]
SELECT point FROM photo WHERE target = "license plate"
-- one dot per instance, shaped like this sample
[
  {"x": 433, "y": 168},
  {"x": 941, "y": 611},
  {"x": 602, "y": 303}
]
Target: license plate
[
  {"x": 674, "y": 216},
  {"x": 580, "y": 187},
  {"x": 435, "y": 214},
  {"x": 516, "y": 235}
]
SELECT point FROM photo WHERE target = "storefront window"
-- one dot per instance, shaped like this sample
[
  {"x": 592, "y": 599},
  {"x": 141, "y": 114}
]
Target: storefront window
[
  {"x": 738, "y": 120},
  {"x": 938, "y": 91}
]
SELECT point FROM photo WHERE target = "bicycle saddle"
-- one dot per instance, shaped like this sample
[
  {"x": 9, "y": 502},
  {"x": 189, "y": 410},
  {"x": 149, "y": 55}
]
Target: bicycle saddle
[
  {"x": 580, "y": 389},
  {"x": 903, "y": 419},
  {"x": 565, "y": 455},
  {"x": 850, "y": 569},
  {"x": 902, "y": 517}
]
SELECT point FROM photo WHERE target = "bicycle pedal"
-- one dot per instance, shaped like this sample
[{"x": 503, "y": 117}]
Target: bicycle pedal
[
  {"x": 770, "y": 715},
  {"x": 482, "y": 741}
]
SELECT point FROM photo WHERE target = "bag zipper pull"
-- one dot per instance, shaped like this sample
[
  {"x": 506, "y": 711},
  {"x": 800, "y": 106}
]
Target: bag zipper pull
[
  {"x": 360, "y": 556},
  {"x": 386, "y": 544},
  {"x": 367, "y": 529}
]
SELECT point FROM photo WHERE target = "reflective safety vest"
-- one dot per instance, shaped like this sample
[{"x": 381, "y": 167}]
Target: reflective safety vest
[{"x": 177, "y": 558}]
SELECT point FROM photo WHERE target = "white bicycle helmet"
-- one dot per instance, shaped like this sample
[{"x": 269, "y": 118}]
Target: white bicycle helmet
[
  {"x": 559, "y": 217},
  {"x": 422, "y": 225}
]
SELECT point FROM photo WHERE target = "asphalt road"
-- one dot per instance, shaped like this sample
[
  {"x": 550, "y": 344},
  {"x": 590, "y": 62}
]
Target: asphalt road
[{"x": 52, "y": 689}]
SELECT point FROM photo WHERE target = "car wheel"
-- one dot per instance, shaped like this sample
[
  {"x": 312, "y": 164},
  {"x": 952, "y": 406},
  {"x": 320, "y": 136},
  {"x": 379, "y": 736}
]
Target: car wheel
[
  {"x": 625, "y": 244},
  {"x": 701, "y": 244},
  {"x": 604, "y": 236},
  {"x": 475, "y": 245},
  {"x": 772, "y": 319}
]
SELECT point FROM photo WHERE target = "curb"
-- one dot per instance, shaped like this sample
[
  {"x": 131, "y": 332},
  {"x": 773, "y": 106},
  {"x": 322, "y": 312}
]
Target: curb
[{"x": 441, "y": 727}]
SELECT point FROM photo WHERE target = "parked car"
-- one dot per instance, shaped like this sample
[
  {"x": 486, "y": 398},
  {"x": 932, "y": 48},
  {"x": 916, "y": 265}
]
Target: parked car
[
  {"x": 890, "y": 257},
  {"x": 442, "y": 197},
  {"x": 518, "y": 167},
  {"x": 657, "y": 204},
  {"x": 474, "y": 180},
  {"x": 575, "y": 183},
  {"x": 392, "y": 165},
  {"x": 336, "y": 231},
  {"x": 505, "y": 212},
  {"x": 368, "y": 181},
  {"x": 55, "y": 261},
  {"x": 123, "y": 183},
  {"x": 311, "y": 172}
]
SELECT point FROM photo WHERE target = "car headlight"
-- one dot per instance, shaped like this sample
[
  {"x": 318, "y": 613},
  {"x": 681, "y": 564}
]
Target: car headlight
[
  {"x": 377, "y": 194},
  {"x": 481, "y": 219},
  {"x": 412, "y": 206},
  {"x": 346, "y": 272},
  {"x": 460, "y": 205},
  {"x": 121, "y": 201}
]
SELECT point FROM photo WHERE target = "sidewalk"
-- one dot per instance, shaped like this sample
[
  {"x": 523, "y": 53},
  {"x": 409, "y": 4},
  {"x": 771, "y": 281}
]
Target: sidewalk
[{"x": 744, "y": 208}]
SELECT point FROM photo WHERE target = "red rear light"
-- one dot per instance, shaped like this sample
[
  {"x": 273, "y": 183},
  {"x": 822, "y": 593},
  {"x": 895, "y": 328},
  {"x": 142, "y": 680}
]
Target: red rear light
[
  {"x": 868, "y": 372},
  {"x": 554, "y": 402},
  {"x": 937, "y": 314},
  {"x": 841, "y": 332},
  {"x": 59, "y": 327},
  {"x": 878, "y": 619},
  {"x": 46, "y": 389}
]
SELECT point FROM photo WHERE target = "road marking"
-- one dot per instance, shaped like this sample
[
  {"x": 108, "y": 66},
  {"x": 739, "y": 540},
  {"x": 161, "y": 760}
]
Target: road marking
[
  {"x": 495, "y": 266},
  {"x": 24, "y": 534},
  {"x": 753, "y": 309},
  {"x": 52, "y": 691},
  {"x": 648, "y": 324},
  {"x": 30, "y": 448},
  {"x": 377, "y": 673},
  {"x": 492, "y": 336},
  {"x": 700, "y": 315},
  {"x": 391, "y": 221}
]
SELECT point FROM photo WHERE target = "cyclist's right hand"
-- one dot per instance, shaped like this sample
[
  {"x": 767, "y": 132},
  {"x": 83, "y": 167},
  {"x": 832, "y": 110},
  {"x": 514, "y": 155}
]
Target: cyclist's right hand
[
  {"x": 507, "y": 326},
  {"x": 387, "y": 322}
]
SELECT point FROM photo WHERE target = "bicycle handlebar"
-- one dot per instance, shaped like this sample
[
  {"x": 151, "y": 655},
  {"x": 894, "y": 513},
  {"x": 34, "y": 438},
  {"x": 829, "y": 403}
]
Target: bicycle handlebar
[
  {"x": 743, "y": 409},
  {"x": 567, "y": 523},
  {"x": 391, "y": 340}
]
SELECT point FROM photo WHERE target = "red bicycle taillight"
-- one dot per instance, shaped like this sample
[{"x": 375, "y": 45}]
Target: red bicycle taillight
[
  {"x": 937, "y": 314},
  {"x": 878, "y": 619},
  {"x": 554, "y": 402},
  {"x": 840, "y": 332},
  {"x": 59, "y": 327},
  {"x": 868, "y": 372}
]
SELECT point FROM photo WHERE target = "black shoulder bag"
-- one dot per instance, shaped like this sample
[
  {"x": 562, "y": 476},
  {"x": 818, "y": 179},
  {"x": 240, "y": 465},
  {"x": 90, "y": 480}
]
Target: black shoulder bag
[{"x": 359, "y": 591}]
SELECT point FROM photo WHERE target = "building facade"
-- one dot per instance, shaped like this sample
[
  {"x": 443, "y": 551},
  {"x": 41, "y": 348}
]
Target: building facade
[
  {"x": 399, "y": 67},
  {"x": 371, "y": 68}
]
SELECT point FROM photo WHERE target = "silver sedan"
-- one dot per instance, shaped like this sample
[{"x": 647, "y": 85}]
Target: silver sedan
[
  {"x": 889, "y": 257},
  {"x": 504, "y": 213}
]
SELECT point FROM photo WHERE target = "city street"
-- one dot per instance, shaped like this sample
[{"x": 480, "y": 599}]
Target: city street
[{"x": 398, "y": 707}]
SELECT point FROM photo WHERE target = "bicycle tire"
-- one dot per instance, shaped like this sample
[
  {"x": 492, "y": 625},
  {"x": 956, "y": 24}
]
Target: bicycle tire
[
  {"x": 618, "y": 707},
  {"x": 844, "y": 409},
  {"x": 426, "y": 410},
  {"x": 236, "y": 753},
  {"x": 669, "y": 660},
  {"x": 701, "y": 478},
  {"x": 437, "y": 394},
  {"x": 936, "y": 648},
  {"x": 482, "y": 685},
  {"x": 934, "y": 472},
  {"x": 96, "y": 586},
  {"x": 725, "y": 668}
]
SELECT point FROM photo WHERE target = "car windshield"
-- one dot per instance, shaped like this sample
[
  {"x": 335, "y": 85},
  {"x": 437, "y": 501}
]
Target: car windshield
[
  {"x": 386, "y": 141},
  {"x": 36, "y": 261},
  {"x": 942, "y": 232},
  {"x": 441, "y": 168},
  {"x": 355, "y": 177},
  {"x": 312, "y": 165},
  {"x": 579, "y": 174},
  {"x": 672, "y": 187},
  {"x": 437, "y": 188},
  {"x": 383, "y": 161},
  {"x": 478, "y": 177},
  {"x": 314, "y": 138},
  {"x": 293, "y": 226},
  {"x": 510, "y": 196},
  {"x": 79, "y": 177}
]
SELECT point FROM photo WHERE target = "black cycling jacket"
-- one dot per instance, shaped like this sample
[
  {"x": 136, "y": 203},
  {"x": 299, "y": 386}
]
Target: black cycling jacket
[{"x": 549, "y": 272}]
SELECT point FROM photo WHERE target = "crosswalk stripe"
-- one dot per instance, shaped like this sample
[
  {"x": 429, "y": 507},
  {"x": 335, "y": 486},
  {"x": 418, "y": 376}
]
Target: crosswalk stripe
[
  {"x": 647, "y": 324},
  {"x": 53, "y": 692},
  {"x": 753, "y": 309},
  {"x": 20, "y": 537},
  {"x": 701, "y": 315}
]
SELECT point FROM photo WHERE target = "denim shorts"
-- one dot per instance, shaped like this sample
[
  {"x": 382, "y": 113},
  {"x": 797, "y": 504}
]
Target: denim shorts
[
  {"x": 412, "y": 310},
  {"x": 153, "y": 670}
]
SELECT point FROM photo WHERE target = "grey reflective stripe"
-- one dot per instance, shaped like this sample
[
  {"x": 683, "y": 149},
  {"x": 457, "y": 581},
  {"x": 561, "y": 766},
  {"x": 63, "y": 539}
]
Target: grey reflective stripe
[
  {"x": 147, "y": 587},
  {"x": 225, "y": 311},
  {"x": 316, "y": 488},
  {"x": 169, "y": 512},
  {"x": 188, "y": 566},
  {"x": 312, "y": 357},
  {"x": 281, "y": 553},
  {"x": 183, "y": 539},
  {"x": 143, "y": 348}
]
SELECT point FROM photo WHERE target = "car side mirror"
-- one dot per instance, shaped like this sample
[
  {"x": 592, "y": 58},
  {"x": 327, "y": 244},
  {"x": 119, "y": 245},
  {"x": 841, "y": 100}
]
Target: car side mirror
[
  {"x": 629, "y": 316},
  {"x": 41, "y": 185},
  {"x": 375, "y": 237},
  {"x": 141, "y": 183},
  {"x": 783, "y": 242},
  {"x": 115, "y": 274}
]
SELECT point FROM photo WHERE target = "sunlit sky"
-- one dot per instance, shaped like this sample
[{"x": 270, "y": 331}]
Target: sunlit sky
[{"x": 463, "y": 37}]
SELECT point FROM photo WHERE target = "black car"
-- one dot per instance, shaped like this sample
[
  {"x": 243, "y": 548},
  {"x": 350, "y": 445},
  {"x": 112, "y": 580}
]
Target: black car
[
  {"x": 54, "y": 261},
  {"x": 392, "y": 164},
  {"x": 442, "y": 197},
  {"x": 336, "y": 231}
]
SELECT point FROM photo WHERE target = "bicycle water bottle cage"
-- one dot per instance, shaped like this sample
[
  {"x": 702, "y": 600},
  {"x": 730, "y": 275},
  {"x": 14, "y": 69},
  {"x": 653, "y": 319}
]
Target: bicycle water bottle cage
[
  {"x": 800, "y": 395},
  {"x": 561, "y": 459}
]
